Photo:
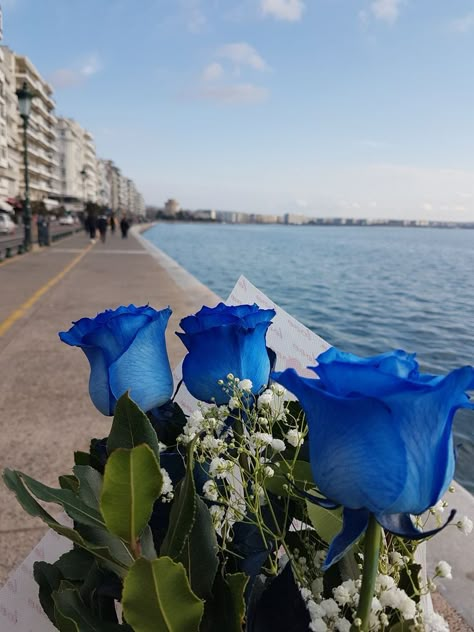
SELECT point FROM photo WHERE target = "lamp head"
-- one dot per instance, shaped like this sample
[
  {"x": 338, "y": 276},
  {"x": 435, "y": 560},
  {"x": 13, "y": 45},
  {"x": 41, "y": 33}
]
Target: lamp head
[{"x": 25, "y": 97}]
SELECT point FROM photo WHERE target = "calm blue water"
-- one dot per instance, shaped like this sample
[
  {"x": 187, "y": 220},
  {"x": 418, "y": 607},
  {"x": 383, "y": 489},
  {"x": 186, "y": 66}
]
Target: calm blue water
[{"x": 365, "y": 290}]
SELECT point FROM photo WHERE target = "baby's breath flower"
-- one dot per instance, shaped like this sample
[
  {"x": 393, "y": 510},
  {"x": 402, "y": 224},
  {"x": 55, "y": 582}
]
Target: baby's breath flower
[
  {"x": 261, "y": 440},
  {"x": 234, "y": 403},
  {"x": 210, "y": 490},
  {"x": 245, "y": 385},
  {"x": 464, "y": 525},
  {"x": 435, "y": 623},
  {"x": 278, "y": 445},
  {"x": 443, "y": 569},
  {"x": 167, "y": 487},
  {"x": 265, "y": 398},
  {"x": 294, "y": 437},
  {"x": 268, "y": 471},
  {"x": 220, "y": 468}
]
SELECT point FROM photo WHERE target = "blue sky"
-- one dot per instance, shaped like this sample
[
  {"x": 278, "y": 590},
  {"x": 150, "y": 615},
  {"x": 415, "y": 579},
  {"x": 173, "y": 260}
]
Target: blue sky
[{"x": 359, "y": 108}]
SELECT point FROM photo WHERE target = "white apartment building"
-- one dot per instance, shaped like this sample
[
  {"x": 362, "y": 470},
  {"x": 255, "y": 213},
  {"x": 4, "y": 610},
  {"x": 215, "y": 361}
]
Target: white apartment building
[
  {"x": 78, "y": 165},
  {"x": 41, "y": 133},
  {"x": 104, "y": 184},
  {"x": 10, "y": 139}
]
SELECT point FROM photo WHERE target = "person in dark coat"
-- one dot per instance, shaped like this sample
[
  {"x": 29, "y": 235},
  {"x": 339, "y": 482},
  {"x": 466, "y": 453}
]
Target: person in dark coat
[
  {"x": 112, "y": 224},
  {"x": 92, "y": 224},
  {"x": 102, "y": 226},
  {"x": 124, "y": 226}
]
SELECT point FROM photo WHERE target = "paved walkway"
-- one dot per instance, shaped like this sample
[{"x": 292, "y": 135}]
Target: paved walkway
[{"x": 46, "y": 411}]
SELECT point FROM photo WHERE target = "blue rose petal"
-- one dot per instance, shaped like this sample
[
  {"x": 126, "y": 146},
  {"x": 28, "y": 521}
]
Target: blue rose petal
[
  {"x": 144, "y": 368},
  {"x": 222, "y": 340},
  {"x": 126, "y": 350}
]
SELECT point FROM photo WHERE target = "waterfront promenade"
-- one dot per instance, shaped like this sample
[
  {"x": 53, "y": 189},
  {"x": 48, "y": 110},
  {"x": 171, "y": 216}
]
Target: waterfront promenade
[{"x": 46, "y": 410}]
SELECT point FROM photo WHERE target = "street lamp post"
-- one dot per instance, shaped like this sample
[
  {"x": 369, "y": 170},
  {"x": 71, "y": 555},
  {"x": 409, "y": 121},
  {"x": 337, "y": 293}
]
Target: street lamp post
[
  {"x": 25, "y": 97},
  {"x": 84, "y": 176}
]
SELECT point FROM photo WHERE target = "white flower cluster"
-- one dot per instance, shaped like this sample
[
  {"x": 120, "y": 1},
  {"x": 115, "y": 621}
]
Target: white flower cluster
[
  {"x": 167, "y": 492},
  {"x": 339, "y": 613}
]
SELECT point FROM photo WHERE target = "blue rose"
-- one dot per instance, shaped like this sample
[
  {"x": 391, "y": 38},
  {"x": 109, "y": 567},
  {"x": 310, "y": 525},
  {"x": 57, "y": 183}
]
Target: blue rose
[
  {"x": 380, "y": 434},
  {"x": 222, "y": 340},
  {"x": 126, "y": 350}
]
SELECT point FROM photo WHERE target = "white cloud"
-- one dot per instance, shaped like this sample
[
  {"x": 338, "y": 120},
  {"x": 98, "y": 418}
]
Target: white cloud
[
  {"x": 230, "y": 94},
  {"x": 386, "y": 10},
  {"x": 242, "y": 54},
  {"x": 301, "y": 203},
  {"x": 193, "y": 15},
  {"x": 427, "y": 206},
  {"x": 212, "y": 72},
  {"x": 289, "y": 10},
  {"x": 77, "y": 74},
  {"x": 464, "y": 24}
]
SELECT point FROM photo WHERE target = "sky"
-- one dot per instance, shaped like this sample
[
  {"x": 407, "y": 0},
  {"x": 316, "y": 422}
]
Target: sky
[{"x": 352, "y": 108}]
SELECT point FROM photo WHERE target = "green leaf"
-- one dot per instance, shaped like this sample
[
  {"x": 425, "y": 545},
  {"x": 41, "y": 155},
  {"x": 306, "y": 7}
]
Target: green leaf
[
  {"x": 131, "y": 427},
  {"x": 119, "y": 553},
  {"x": 147, "y": 545},
  {"x": 90, "y": 485},
  {"x": 71, "y": 607},
  {"x": 301, "y": 473},
  {"x": 199, "y": 554},
  {"x": 183, "y": 511},
  {"x": 67, "y": 481},
  {"x": 168, "y": 603},
  {"x": 72, "y": 504},
  {"x": 132, "y": 483},
  {"x": 82, "y": 458},
  {"x": 226, "y": 608},
  {"x": 75, "y": 564},
  {"x": 237, "y": 584},
  {"x": 327, "y": 522},
  {"x": 48, "y": 577},
  {"x": 15, "y": 483}
]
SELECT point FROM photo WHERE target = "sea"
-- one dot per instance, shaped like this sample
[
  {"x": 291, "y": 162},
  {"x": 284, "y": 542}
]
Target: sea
[{"x": 363, "y": 289}]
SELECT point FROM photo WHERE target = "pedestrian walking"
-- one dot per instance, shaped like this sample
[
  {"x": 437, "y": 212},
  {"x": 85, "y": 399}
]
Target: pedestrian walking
[
  {"x": 124, "y": 226},
  {"x": 112, "y": 224},
  {"x": 102, "y": 226},
  {"x": 92, "y": 224}
]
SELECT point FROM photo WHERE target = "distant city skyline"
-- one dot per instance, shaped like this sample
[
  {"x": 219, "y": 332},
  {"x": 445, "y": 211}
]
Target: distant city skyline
[{"x": 330, "y": 108}]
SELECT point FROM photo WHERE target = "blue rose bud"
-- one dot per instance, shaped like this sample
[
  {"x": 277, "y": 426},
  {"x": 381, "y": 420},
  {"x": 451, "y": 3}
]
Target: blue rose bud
[
  {"x": 380, "y": 431},
  {"x": 126, "y": 350},
  {"x": 222, "y": 340}
]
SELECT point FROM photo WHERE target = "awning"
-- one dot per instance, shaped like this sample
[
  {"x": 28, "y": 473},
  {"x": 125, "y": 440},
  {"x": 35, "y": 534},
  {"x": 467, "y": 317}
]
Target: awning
[
  {"x": 50, "y": 204},
  {"x": 4, "y": 206}
]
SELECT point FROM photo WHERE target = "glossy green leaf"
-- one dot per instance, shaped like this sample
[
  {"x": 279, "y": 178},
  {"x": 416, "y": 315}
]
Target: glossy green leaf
[
  {"x": 327, "y": 522},
  {"x": 67, "y": 481},
  {"x": 15, "y": 483},
  {"x": 131, "y": 427},
  {"x": 75, "y": 564},
  {"x": 69, "y": 604},
  {"x": 199, "y": 554},
  {"x": 74, "y": 506},
  {"x": 132, "y": 483},
  {"x": 48, "y": 577},
  {"x": 183, "y": 511},
  {"x": 90, "y": 485},
  {"x": 225, "y": 610},
  {"x": 167, "y": 605}
]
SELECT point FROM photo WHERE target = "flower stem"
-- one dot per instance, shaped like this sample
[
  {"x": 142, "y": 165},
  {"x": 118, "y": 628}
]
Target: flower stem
[{"x": 369, "y": 573}]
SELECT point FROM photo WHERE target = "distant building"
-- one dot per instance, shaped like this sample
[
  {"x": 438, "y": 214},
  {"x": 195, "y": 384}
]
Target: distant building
[
  {"x": 172, "y": 207},
  {"x": 293, "y": 218},
  {"x": 10, "y": 138},
  {"x": 78, "y": 165},
  {"x": 43, "y": 165}
]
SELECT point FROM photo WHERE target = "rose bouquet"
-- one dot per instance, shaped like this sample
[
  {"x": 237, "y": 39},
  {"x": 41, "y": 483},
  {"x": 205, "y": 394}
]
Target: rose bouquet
[{"x": 282, "y": 503}]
